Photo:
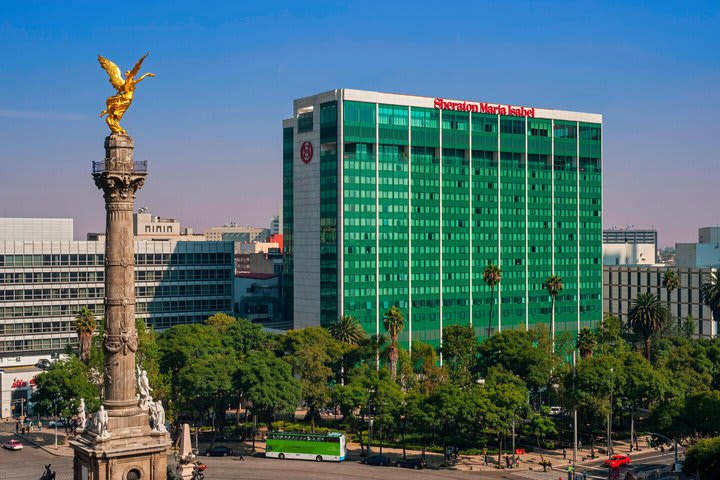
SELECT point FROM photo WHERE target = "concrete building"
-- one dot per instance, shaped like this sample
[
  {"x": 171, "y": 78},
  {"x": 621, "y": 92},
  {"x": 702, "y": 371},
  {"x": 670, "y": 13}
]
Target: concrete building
[
  {"x": 275, "y": 225},
  {"x": 629, "y": 247},
  {"x": 403, "y": 200},
  {"x": 705, "y": 253},
  {"x": 36, "y": 229},
  {"x": 232, "y": 232},
  {"x": 43, "y": 284},
  {"x": 621, "y": 284},
  {"x": 257, "y": 299}
]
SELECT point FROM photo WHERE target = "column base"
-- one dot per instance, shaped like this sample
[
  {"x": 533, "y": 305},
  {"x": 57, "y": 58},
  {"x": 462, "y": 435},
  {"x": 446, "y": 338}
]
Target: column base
[{"x": 131, "y": 448}]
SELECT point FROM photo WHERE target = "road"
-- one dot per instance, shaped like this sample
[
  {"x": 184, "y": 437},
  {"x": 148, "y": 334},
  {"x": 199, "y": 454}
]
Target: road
[{"x": 28, "y": 465}]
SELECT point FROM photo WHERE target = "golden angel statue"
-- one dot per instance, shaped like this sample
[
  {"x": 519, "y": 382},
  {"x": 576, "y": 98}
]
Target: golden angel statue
[{"x": 118, "y": 104}]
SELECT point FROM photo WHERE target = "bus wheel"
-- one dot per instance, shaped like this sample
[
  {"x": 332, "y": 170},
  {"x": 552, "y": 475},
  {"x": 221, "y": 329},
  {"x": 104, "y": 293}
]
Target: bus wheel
[
  {"x": 318, "y": 458},
  {"x": 281, "y": 456}
]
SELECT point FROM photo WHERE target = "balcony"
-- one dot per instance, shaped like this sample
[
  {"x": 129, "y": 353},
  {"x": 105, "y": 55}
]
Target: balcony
[{"x": 118, "y": 166}]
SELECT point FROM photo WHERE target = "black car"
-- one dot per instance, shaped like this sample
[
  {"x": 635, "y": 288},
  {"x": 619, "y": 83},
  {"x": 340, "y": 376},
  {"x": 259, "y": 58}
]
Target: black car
[
  {"x": 218, "y": 451},
  {"x": 44, "y": 364},
  {"x": 416, "y": 463},
  {"x": 378, "y": 460}
]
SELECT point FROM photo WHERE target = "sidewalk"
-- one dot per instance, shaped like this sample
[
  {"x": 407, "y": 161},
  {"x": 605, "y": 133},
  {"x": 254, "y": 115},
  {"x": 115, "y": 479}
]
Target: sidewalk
[{"x": 45, "y": 439}]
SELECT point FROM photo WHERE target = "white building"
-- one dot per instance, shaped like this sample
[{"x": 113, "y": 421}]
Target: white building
[
  {"x": 629, "y": 247},
  {"x": 232, "y": 232},
  {"x": 621, "y": 284},
  {"x": 705, "y": 253},
  {"x": 36, "y": 229}
]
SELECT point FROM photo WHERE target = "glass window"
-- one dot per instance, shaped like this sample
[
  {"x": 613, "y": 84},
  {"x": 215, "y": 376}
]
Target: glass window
[{"x": 305, "y": 122}]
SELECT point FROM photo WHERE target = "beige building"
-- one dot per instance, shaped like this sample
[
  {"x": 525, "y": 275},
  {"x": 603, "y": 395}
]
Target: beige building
[
  {"x": 621, "y": 284},
  {"x": 236, "y": 233}
]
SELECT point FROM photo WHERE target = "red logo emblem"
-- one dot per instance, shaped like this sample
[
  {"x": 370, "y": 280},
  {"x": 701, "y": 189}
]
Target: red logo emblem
[{"x": 306, "y": 152}]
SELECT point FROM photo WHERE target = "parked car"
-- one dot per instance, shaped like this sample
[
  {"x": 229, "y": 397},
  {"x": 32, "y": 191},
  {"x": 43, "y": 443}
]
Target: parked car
[
  {"x": 13, "y": 444},
  {"x": 218, "y": 451},
  {"x": 60, "y": 423},
  {"x": 44, "y": 364},
  {"x": 415, "y": 463},
  {"x": 617, "y": 461},
  {"x": 378, "y": 460}
]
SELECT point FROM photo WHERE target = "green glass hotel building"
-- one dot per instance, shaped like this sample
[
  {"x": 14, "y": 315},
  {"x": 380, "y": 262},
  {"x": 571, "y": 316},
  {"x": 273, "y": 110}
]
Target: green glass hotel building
[{"x": 403, "y": 200}]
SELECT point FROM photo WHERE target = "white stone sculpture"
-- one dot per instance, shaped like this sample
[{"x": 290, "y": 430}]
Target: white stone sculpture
[
  {"x": 143, "y": 385},
  {"x": 160, "y": 417},
  {"x": 101, "y": 423},
  {"x": 82, "y": 415}
]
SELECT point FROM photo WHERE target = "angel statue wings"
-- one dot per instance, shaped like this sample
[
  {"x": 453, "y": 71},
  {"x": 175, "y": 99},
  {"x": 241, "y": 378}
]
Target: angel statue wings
[{"x": 118, "y": 104}]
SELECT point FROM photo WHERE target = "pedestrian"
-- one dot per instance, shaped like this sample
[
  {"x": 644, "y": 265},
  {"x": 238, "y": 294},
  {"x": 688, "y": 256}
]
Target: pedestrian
[
  {"x": 579, "y": 444},
  {"x": 448, "y": 454},
  {"x": 507, "y": 461},
  {"x": 242, "y": 457},
  {"x": 456, "y": 452},
  {"x": 564, "y": 454},
  {"x": 17, "y": 427}
]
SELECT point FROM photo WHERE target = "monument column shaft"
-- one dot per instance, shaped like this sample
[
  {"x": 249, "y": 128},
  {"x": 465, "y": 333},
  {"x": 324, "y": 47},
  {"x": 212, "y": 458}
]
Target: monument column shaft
[{"x": 119, "y": 181}]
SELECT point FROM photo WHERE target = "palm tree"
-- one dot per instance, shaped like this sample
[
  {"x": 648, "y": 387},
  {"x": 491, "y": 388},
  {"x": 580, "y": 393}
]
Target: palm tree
[
  {"x": 670, "y": 282},
  {"x": 394, "y": 323},
  {"x": 492, "y": 276},
  {"x": 586, "y": 342},
  {"x": 554, "y": 285},
  {"x": 710, "y": 294},
  {"x": 348, "y": 332},
  {"x": 647, "y": 316},
  {"x": 85, "y": 325}
]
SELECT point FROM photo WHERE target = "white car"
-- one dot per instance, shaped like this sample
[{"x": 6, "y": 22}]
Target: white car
[
  {"x": 13, "y": 445},
  {"x": 57, "y": 423}
]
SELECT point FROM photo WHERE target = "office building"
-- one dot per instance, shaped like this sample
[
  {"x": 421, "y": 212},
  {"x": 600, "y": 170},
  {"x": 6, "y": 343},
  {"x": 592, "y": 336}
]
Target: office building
[
  {"x": 403, "y": 200},
  {"x": 629, "y": 247},
  {"x": 232, "y": 232},
  {"x": 705, "y": 253},
  {"x": 36, "y": 229},
  {"x": 622, "y": 284},
  {"x": 43, "y": 285}
]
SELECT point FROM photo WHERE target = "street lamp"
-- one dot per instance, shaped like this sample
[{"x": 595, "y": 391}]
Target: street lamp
[
  {"x": 609, "y": 421},
  {"x": 675, "y": 446}
]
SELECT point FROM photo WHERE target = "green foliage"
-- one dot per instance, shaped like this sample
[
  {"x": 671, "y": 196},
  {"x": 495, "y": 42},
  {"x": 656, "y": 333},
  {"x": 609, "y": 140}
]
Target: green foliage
[
  {"x": 647, "y": 316},
  {"x": 459, "y": 351},
  {"x": 60, "y": 388},
  {"x": 586, "y": 342},
  {"x": 85, "y": 325},
  {"x": 221, "y": 321},
  {"x": 704, "y": 458},
  {"x": 518, "y": 352},
  {"x": 394, "y": 323},
  {"x": 268, "y": 384},
  {"x": 347, "y": 330},
  {"x": 710, "y": 293},
  {"x": 492, "y": 276}
]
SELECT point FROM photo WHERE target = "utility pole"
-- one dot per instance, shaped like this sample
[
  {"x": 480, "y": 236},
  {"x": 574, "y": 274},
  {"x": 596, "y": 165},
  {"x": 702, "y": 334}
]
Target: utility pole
[
  {"x": 575, "y": 416},
  {"x": 609, "y": 420}
]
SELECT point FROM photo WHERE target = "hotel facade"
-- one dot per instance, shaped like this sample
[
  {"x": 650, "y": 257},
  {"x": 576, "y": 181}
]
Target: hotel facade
[{"x": 404, "y": 200}]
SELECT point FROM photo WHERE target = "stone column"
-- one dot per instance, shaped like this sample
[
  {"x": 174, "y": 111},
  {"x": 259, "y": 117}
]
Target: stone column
[{"x": 119, "y": 178}]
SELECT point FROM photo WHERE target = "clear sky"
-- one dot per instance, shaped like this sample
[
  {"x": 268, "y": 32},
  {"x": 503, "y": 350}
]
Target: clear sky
[{"x": 227, "y": 72}]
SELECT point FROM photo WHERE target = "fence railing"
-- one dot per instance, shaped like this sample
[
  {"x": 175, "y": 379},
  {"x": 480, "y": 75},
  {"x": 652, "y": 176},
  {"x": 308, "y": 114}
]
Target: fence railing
[{"x": 113, "y": 165}]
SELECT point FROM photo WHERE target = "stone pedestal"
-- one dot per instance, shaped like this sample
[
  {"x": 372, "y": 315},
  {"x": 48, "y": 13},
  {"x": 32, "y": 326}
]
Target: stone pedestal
[{"x": 130, "y": 451}]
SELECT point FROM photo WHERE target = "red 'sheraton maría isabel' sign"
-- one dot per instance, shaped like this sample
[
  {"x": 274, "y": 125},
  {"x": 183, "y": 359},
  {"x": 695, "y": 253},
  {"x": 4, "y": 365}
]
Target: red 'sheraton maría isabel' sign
[{"x": 495, "y": 109}]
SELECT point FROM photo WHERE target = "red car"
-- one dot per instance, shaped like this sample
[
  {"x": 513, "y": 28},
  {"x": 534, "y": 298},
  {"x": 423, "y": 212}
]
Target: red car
[{"x": 617, "y": 461}]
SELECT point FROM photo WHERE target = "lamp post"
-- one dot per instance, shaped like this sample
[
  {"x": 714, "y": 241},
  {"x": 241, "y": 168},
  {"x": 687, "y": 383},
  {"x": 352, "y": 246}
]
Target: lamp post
[
  {"x": 575, "y": 416},
  {"x": 675, "y": 446},
  {"x": 56, "y": 445},
  {"x": 609, "y": 420}
]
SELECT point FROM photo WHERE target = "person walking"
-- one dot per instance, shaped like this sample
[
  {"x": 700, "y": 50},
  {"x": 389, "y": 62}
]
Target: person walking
[
  {"x": 17, "y": 427},
  {"x": 564, "y": 454},
  {"x": 242, "y": 457}
]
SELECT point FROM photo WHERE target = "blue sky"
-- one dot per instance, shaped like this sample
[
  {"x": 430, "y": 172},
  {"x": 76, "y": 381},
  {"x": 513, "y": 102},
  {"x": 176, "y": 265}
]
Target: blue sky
[{"x": 210, "y": 122}]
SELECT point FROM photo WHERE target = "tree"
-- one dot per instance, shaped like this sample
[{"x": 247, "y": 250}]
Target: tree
[
  {"x": 710, "y": 294},
  {"x": 267, "y": 383},
  {"x": 394, "y": 323},
  {"x": 554, "y": 285},
  {"x": 586, "y": 342},
  {"x": 670, "y": 282},
  {"x": 704, "y": 458},
  {"x": 492, "y": 275},
  {"x": 348, "y": 332},
  {"x": 147, "y": 357},
  {"x": 540, "y": 425},
  {"x": 85, "y": 325},
  {"x": 60, "y": 388},
  {"x": 220, "y": 321},
  {"x": 460, "y": 353},
  {"x": 310, "y": 352},
  {"x": 647, "y": 316}
]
